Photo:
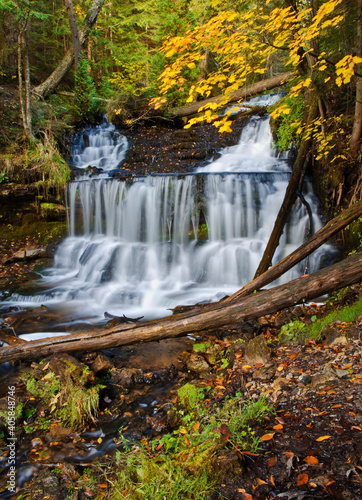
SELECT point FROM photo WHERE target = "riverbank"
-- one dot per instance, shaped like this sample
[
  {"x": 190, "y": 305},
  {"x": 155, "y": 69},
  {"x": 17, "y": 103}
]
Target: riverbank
[{"x": 176, "y": 407}]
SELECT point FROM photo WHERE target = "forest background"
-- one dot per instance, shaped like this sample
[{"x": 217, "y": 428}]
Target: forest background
[{"x": 150, "y": 57}]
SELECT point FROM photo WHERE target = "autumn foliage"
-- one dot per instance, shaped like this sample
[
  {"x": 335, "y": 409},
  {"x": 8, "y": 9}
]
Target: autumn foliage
[{"x": 254, "y": 44}]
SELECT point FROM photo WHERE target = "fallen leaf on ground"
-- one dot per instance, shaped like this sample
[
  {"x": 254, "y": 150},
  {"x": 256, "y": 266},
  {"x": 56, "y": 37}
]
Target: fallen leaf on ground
[
  {"x": 260, "y": 481},
  {"x": 278, "y": 427},
  {"x": 267, "y": 437},
  {"x": 196, "y": 426},
  {"x": 323, "y": 438},
  {"x": 271, "y": 462},
  {"x": 302, "y": 479},
  {"x": 311, "y": 460}
]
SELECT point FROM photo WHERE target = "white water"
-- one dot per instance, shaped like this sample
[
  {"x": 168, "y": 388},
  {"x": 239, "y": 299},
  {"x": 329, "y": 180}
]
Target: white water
[
  {"x": 253, "y": 153},
  {"x": 102, "y": 147},
  {"x": 140, "y": 249}
]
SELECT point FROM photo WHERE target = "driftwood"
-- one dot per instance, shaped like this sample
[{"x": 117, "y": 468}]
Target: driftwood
[
  {"x": 330, "y": 229},
  {"x": 213, "y": 316},
  {"x": 295, "y": 182},
  {"x": 243, "y": 93},
  {"x": 10, "y": 338}
]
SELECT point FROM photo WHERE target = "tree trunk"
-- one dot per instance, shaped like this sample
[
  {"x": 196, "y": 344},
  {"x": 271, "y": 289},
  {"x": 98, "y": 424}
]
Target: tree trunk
[
  {"x": 74, "y": 30},
  {"x": 50, "y": 84},
  {"x": 330, "y": 229},
  {"x": 357, "y": 122},
  {"x": 20, "y": 80},
  {"x": 242, "y": 93},
  {"x": 27, "y": 85},
  {"x": 294, "y": 184},
  {"x": 222, "y": 314},
  {"x": 24, "y": 80}
]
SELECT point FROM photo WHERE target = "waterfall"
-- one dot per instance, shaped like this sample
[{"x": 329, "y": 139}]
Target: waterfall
[
  {"x": 143, "y": 246},
  {"x": 101, "y": 147}
]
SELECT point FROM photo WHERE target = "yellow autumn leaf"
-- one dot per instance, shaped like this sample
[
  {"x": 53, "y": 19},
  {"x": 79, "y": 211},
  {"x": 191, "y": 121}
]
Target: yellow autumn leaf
[
  {"x": 225, "y": 128},
  {"x": 323, "y": 438}
]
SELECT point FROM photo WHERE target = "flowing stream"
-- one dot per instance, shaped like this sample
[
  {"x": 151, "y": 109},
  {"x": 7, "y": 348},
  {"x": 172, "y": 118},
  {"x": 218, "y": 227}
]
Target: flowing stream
[{"x": 143, "y": 246}]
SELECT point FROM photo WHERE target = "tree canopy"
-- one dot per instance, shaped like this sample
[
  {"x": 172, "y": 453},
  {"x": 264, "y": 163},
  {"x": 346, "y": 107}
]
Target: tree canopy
[
  {"x": 174, "y": 53},
  {"x": 255, "y": 43}
]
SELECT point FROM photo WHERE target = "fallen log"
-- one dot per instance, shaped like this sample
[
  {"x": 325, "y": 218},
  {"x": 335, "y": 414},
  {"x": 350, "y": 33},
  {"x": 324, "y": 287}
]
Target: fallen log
[
  {"x": 243, "y": 93},
  {"x": 221, "y": 314},
  {"x": 10, "y": 338},
  {"x": 330, "y": 229}
]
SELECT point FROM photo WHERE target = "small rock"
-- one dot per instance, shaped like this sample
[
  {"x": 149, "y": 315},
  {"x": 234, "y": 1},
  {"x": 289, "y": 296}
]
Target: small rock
[
  {"x": 64, "y": 365},
  {"x": 101, "y": 365},
  {"x": 342, "y": 373},
  {"x": 306, "y": 379},
  {"x": 334, "y": 337},
  {"x": 257, "y": 351},
  {"x": 197, "y": 363},
  {"x": 29, "y": 253},
  {"x": 208, "y": 351},
  {"x": 327, "y": 375},
  {"x": 126, "y": 376}
]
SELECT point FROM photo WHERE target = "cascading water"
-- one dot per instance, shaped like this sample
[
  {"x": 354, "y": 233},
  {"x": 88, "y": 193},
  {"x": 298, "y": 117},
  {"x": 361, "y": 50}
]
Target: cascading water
[
  {"x": 140, "y": 248},
  {"x": 101, "y": 147}
]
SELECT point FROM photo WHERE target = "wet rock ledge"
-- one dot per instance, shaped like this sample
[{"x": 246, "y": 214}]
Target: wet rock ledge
[{"x": 168, "y": 149}]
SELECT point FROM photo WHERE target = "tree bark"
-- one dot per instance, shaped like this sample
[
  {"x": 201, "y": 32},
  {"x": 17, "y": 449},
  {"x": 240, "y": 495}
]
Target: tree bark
[
  {"x": 50, "y": 84},
  {"x": 74, "y": 30},
  {"x": 10, "y": 338},
  {"x": 294, "y": 183},
  {"x": 357, "y": 122},
  {"x": 222, "y": 314},
  {"x": 242, "y": 93},
  {"x": 27, "y": 85},
  {"x": 24, "y": 80},
  {"x": 330, "y": 229},
  {"x": 20, "y": 80}
]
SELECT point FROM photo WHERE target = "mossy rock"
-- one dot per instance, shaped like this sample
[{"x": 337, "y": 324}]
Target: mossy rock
[
  {"x": 189, "y": 396},
  {"x": 210, "y": 352},
  {"x": 52, "y": 211}
]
